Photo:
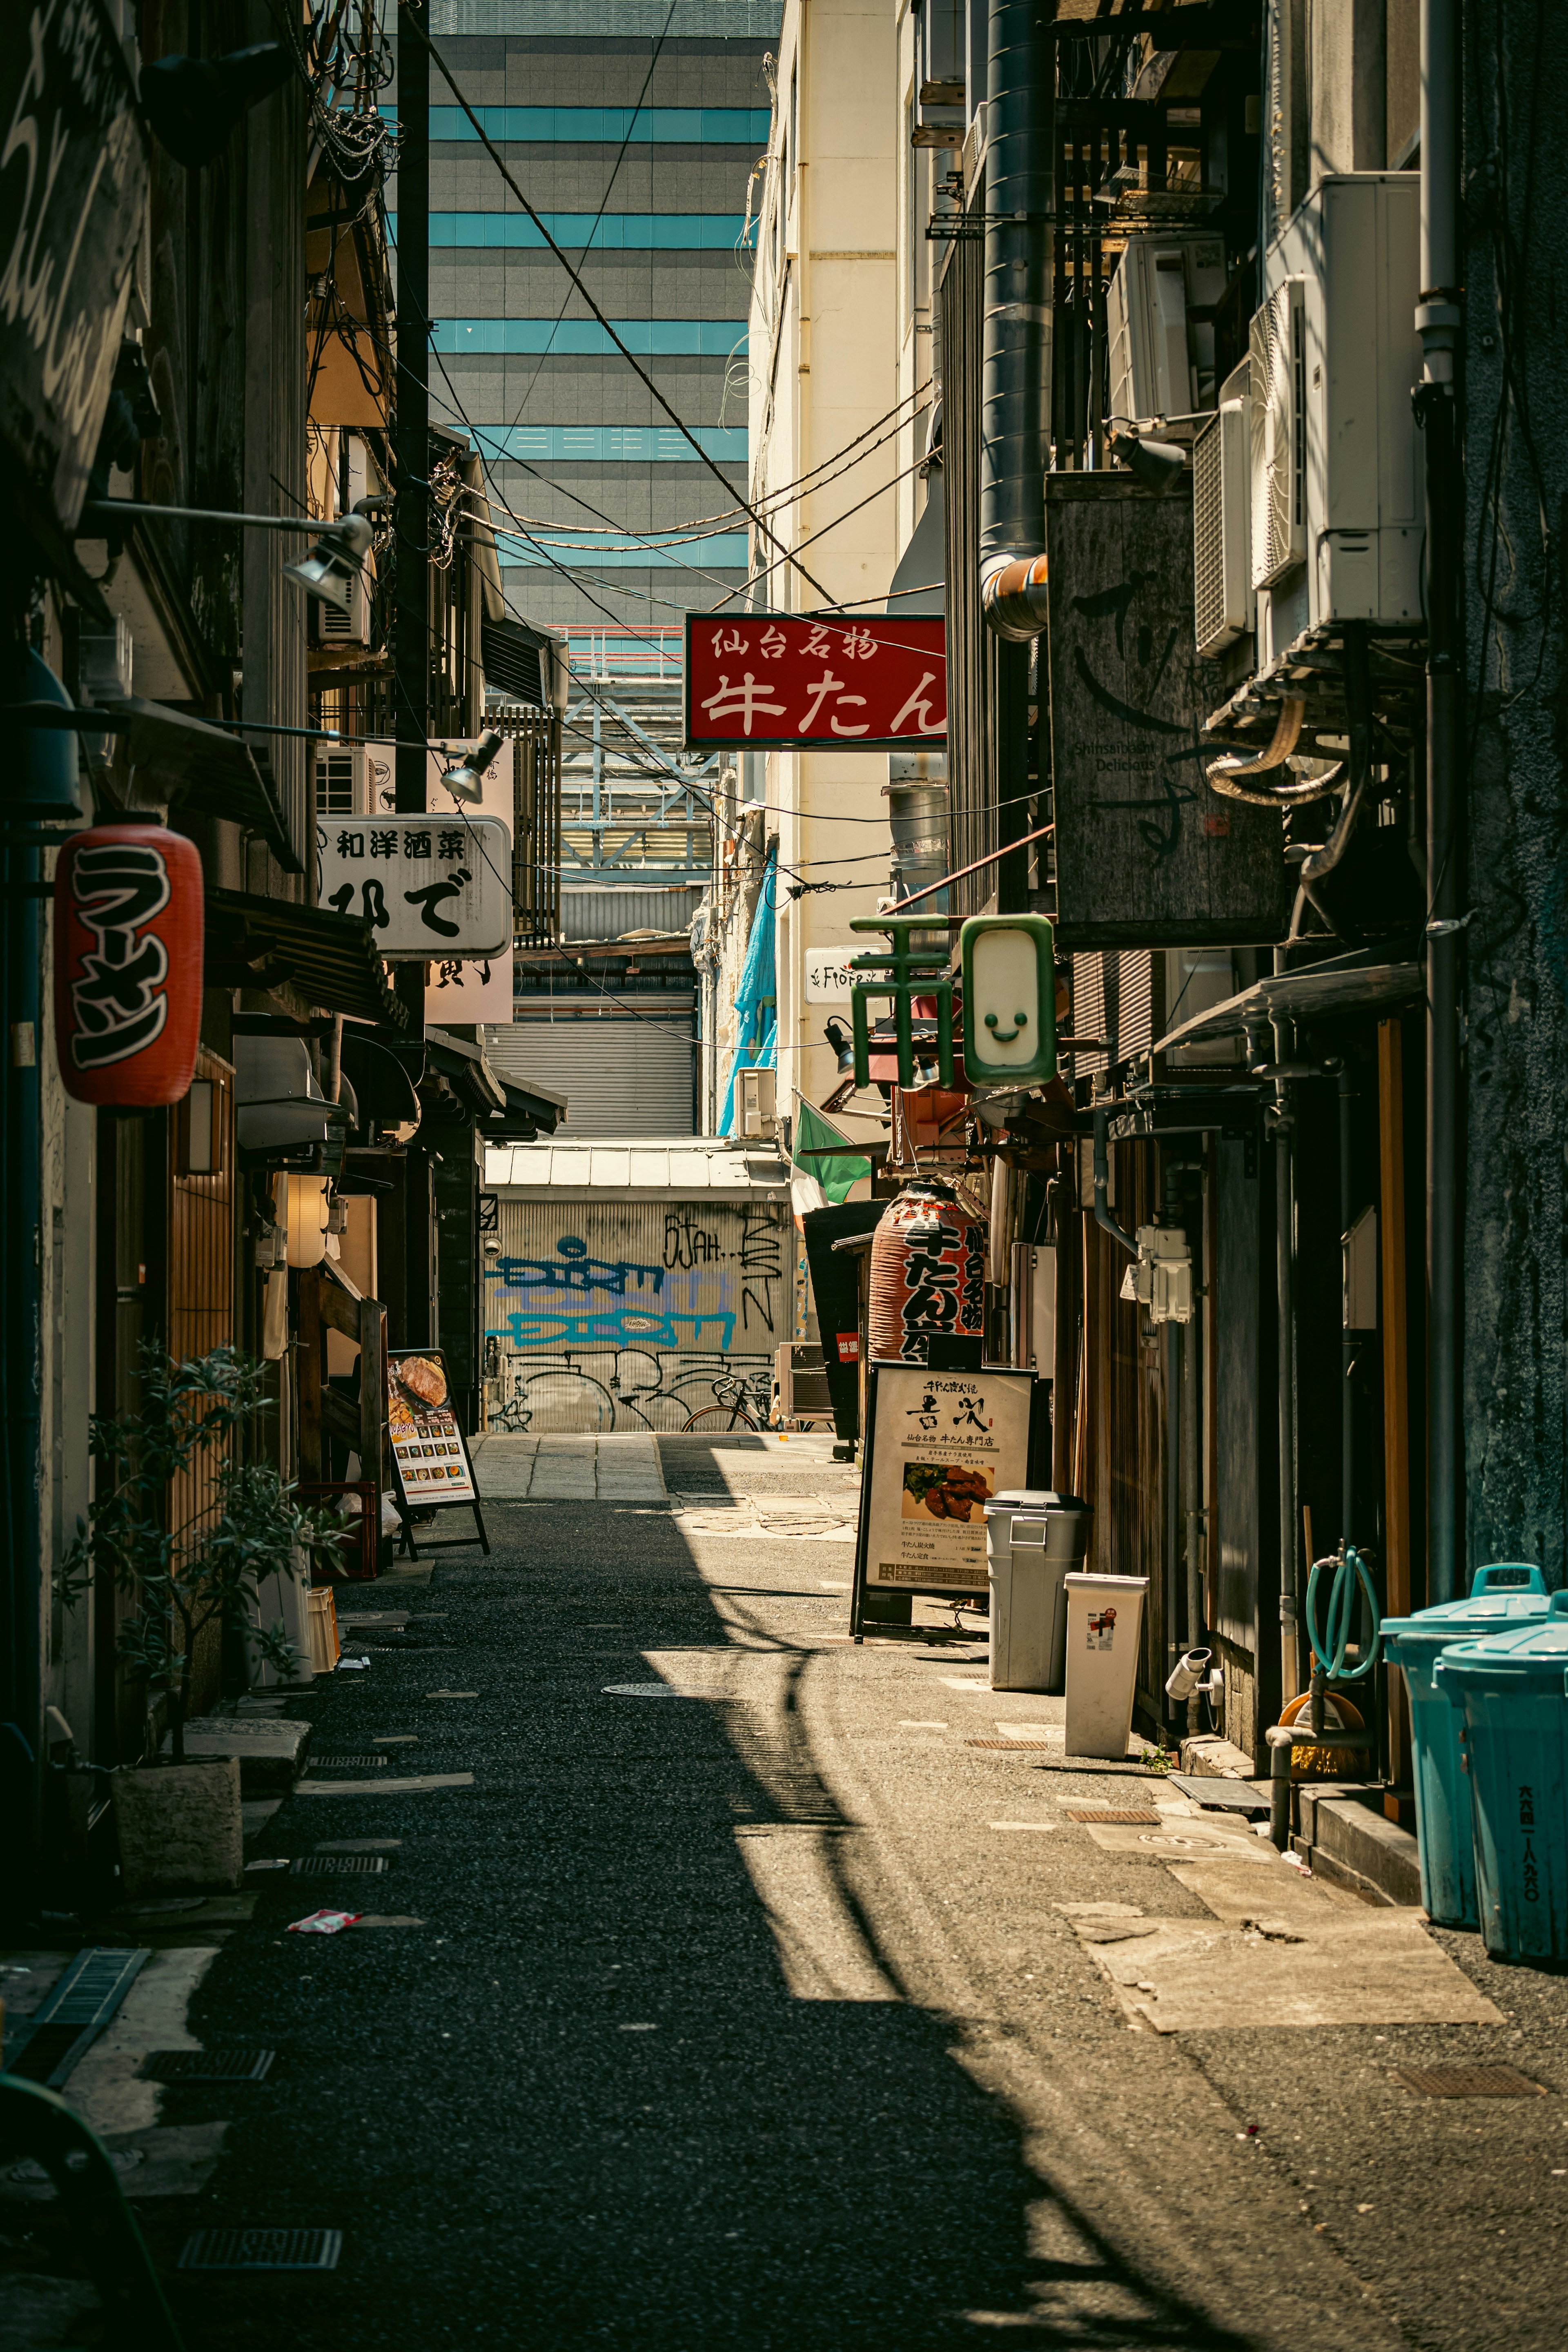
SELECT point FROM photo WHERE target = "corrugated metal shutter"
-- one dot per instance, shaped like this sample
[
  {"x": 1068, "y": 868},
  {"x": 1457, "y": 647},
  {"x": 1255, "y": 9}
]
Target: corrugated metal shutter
[
  {"x": 620, "y": 1076},
  {"x": 1139, "y": 1001},
  {"x": 611, "y": 914},
  {"x": 622, "y": 1314},
  {"x": 1094, "y": 978}
]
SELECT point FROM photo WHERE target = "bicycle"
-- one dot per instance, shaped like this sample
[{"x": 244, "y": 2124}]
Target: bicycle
[{"x": 747, "y": 1403}]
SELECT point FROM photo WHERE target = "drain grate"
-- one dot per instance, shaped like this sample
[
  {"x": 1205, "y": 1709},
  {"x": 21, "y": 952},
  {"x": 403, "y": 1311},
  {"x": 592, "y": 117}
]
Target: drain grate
[
  {"x": 1023, "y": 1746},
  {"x": 325, "y": 1866},
  {"x": 262, "y": 2250},
  {"x": 1468, "y": 2083},
  {"x": 1114, "y": 1813},
  {"x": 345, "y": 1763},
  {"x": 226, "y": 2061}
]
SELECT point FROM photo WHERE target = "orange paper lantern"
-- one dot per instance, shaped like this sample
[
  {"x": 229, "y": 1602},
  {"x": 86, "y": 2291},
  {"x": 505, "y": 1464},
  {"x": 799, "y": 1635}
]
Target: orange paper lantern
[
  {"x": 128, "y": 964},
  {"x": 928, "y": 1275}
]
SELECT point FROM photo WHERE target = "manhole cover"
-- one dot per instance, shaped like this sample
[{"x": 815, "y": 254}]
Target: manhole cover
[
  {"x": 224, "y": 2063},
  {"x": 1122, "y": 1813},
  {"x": 262, "y": 2250},
  {"x": 1021, "y": 1745},
  {"x": 322, "y": 1865},
  {"x": 1469, "y": 2082}
]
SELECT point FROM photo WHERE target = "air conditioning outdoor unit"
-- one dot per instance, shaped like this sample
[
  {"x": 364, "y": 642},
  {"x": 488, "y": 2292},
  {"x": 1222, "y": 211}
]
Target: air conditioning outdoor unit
[
  {"x": 1337, "y": 514},
  {"x": 1276, "y": 369},
  {"x": 348, "y": 626},
  {"x": 1161, "y": 356},
  {"x": 1222, "y": 552},
  {"x": 341, "y": 774},
  {"x": 759, "y": 1094}
]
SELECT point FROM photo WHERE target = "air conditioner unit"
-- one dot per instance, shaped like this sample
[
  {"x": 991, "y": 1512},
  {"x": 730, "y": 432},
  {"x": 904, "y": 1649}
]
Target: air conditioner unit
[
  {"x": 349, "y": 626},
  {"x": 1277, "y": 437},
  {"x": 1161, "y": 356},
  {"x": 1222, "y": 558},
  {"x": 759, "y": 1094},
  {"x": 1348, "y": 264},
  {"x": 340, "y": 780}
]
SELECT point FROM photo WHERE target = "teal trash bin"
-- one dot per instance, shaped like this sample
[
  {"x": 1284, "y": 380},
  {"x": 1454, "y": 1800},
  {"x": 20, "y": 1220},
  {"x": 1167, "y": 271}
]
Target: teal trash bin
[
  {"x": 1513, "y": 1690},
  {"x": 1502, "y": 1598}
]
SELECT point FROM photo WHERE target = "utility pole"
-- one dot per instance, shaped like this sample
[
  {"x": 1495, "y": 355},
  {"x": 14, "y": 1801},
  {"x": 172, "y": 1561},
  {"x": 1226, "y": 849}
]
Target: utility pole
[
  {"x": 411, "y": 632},
  {"x": 411, "y": 624},
  {"x": 1437, "y": 318}
]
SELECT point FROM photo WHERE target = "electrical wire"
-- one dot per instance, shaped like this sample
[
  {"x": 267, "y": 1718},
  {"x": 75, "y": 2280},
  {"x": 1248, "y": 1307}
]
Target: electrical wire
[{"x": 675, "y": 419}]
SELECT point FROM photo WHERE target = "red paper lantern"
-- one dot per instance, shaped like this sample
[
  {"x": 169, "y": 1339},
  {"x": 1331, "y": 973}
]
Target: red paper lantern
[
  {"x": 128, "y": 964},
  {"x": 928, "y": 1274}
]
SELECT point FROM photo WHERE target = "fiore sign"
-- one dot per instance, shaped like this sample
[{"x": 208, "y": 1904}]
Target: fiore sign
[
  {"x": 434, "y": 889},
  {"x": 128, "y": 964},
  {"x": 791, "y": 683}
]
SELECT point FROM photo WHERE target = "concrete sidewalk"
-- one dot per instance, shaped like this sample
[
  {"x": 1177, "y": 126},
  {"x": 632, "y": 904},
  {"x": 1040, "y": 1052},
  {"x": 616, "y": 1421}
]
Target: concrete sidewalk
[{"x": 611, "y": 1469}]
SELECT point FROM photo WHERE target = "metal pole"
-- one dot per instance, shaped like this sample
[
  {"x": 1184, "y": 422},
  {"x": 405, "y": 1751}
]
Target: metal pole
[
  {"x": 1283, "y": 1124},
  {"x": 1437, "y": 322},
  {"x": 411, "y": 517}
]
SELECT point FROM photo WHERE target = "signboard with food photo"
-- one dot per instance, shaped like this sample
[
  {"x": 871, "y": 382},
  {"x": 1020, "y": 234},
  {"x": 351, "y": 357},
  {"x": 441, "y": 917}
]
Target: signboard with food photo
[
  {"x": 427, "y": 1444},
  {"x": 941, "y": 1444}
]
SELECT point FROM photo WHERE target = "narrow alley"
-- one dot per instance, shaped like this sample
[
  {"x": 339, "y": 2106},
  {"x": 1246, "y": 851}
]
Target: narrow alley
[{"x": 725, "y": 1982}]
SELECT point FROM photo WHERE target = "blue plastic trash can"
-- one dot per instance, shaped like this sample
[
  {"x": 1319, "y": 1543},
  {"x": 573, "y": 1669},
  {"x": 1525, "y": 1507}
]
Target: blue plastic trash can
[
  {"x": 1502, "y": 1598},
  {"x": 1513, "y": 1690}
]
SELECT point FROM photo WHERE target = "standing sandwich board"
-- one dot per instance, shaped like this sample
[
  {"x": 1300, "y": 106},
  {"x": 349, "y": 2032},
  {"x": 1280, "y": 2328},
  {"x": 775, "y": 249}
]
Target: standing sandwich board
[
  {"x": 939, "y": 1445},
  {"x": 429, "y": 1452}
]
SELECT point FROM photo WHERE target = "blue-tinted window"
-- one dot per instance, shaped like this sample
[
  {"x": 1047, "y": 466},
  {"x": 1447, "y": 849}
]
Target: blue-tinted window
[
  {"x": 654, "y": 126},
  {"x": 659, "y": 338},
  {"x": 614, "y": 233},
  {"x": 640, "y": 445},
  {"x": 724, "y": 552}
]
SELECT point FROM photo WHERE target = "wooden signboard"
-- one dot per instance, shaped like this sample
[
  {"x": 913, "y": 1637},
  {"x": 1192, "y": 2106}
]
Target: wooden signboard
[
  {"x": 938, "y": 1444},
  {"x": 1146, "y": 855}
]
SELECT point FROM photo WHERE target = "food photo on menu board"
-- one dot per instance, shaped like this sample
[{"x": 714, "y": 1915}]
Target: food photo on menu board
[
  {"x": 427, "y": 1444},
  {"x": 941, "y": 1445}
]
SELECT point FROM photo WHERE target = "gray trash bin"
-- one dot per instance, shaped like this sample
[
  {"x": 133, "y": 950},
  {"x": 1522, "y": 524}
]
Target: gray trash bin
[{"x": 1033, "y": 1538}]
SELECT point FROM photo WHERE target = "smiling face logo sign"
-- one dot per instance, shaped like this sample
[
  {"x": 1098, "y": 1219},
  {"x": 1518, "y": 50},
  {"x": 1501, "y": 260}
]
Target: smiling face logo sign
[
  {"x": 128, "y": 964},
  {"x": 1009, "y": 999}
]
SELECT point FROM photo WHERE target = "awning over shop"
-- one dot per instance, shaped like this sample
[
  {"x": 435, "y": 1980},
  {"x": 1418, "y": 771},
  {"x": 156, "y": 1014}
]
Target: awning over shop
[
  {"x": 503, "y": 1112},
  {"x": 331, "y": 959},
  {"x": 388, "y": 1106},
  {"x": 1352, "y": 983},
  {"x": 192, "y": 766}
]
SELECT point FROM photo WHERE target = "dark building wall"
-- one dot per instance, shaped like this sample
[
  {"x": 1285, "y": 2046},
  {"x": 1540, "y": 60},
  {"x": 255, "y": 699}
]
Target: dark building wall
[{"x": 1516, "y": 439}]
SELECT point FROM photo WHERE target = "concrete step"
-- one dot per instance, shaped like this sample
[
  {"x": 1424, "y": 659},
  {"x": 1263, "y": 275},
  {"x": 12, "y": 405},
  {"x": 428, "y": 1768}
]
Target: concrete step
[{"x": 1345, "y": 1835}]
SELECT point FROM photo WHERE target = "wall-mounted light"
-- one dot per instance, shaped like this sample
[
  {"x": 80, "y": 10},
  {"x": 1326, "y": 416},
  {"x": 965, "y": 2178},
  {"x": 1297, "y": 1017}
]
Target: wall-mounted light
[
  {"x": 1157, "y": 465},
  {"x": 326, "y": 572},
  {"x": 465, "y": 779}
]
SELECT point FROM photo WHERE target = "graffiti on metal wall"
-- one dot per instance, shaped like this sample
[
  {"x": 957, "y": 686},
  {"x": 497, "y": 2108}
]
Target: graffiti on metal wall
[{"x": 612, "y": 1322}]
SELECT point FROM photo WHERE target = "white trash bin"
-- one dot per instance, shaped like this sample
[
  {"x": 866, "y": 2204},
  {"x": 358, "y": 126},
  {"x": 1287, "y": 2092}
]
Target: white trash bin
[
  {"x": 1033, "y": 1538},
  {"x": 1105, "y": 1618}
]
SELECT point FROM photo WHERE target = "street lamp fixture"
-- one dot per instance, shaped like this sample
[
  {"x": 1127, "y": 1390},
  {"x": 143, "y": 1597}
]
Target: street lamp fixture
[
  {"x": 327, "y": 573},
  {"x": 465, "y": 778}
]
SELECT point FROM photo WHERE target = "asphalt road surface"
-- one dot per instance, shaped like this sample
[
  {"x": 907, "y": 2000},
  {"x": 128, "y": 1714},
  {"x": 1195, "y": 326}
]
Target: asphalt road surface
[{"x": 749, "y": 2019}]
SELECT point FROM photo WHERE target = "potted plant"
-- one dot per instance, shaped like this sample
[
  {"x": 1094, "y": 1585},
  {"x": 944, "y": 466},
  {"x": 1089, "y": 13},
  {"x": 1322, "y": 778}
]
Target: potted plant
[{"x": 189, "y": 1532}]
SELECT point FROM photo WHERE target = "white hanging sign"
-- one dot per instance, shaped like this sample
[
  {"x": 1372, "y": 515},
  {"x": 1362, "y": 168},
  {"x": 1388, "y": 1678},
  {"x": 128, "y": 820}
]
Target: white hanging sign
[{"x": 432, "y": 889}]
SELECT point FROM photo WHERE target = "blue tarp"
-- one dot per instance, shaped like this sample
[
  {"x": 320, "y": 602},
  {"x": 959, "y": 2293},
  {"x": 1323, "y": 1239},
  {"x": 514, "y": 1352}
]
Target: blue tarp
[{"x": 759, "y": 1019}]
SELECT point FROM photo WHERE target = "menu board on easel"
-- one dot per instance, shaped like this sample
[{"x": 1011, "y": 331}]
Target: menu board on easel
[
  {"x": 428, "y": 1451},
  {"x": 938, "y": 1446}
]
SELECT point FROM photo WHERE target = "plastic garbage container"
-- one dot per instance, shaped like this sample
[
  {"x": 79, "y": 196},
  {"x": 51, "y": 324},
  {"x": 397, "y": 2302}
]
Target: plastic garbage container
[
  {"x": 1513, "y": 1690},
  {"x": 1033, "y": 1537},
  {"x": 1105, "y": 1617},
  {"x": 1502, "y": 1599}
]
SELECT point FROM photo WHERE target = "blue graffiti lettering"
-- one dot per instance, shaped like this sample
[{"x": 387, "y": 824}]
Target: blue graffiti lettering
[{"x": 573, "y": 1270}]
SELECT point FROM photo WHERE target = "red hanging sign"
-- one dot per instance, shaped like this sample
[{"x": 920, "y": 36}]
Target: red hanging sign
[
  {"x": 128, "y": 964},
  {"x": 791, "y": 683}
]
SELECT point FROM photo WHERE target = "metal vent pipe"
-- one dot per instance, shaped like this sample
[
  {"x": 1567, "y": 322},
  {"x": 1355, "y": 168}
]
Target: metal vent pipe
[{"x": 1015, "y": 368}]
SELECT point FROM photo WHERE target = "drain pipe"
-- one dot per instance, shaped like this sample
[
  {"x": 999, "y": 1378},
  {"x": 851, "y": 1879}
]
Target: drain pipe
[
  {"x": 1438, "y": 323},
  {"x": 1016, "y": 376},
  {"x": 1103, "y": 1215},
  {"x": 1280, "y": 1121}
]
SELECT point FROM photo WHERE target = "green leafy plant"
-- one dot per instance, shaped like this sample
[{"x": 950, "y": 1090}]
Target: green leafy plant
[{"x": 207, "y": 1567}]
